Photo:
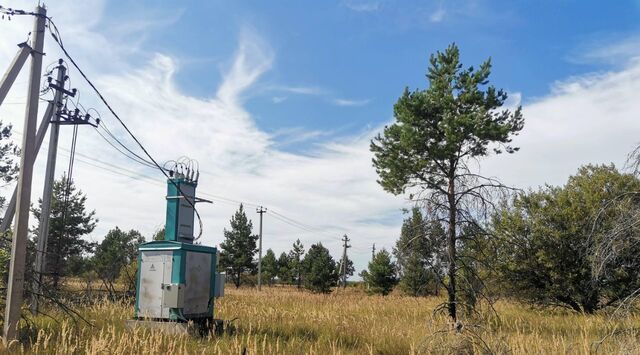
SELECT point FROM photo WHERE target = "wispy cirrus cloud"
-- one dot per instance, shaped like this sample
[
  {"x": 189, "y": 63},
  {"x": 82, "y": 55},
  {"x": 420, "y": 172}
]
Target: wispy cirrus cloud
[
  {"x": 253, "y": 58},
  {"x": 300, "y": 90},
  {"x": 438, "y": 15},
  {"x": 324, "y": 186},
  {"x": 362, "y": 6},
  {"x": 612, "y": 49},
  {"x": 350, "y": 102},
  {"x": 324, "y": 94}
]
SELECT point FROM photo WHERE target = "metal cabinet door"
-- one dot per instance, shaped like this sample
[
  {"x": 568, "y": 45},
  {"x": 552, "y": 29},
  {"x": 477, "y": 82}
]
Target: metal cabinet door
[{"x": 155, "y": 269}]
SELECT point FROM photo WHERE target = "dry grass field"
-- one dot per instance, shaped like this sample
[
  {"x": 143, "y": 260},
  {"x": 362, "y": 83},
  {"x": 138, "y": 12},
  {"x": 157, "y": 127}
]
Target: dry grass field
[{"x": 284, "y": 320}]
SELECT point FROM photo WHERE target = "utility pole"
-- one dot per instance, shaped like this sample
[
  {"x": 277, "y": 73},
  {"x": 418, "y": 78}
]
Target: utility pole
[
  {"x": 43, "y": 234},
  {"x": 345, "y": 239},
  {"x": 15, "y": 287},
  {"x": 260, "y": 210},
  {"x": 11, "y": 74},
  {"x": 42, "y": 130},
  {"x": 373, "y": 251}
]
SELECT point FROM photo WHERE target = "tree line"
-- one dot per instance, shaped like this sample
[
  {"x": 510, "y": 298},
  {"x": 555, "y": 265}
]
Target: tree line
[{"x": 314, "y": 269}]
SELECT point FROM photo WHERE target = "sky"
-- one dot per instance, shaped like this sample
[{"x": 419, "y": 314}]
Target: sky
[{"x": 279, "y": 100}]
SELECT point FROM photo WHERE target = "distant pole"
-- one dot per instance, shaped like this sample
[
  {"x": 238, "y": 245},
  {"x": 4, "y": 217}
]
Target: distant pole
[
  {"x": 345, "y": 239},
  {"x": 373, "y": 251},
  {"x": 15, "y": 287},
  {"x": 50, "y": 173},
  {"x": 260, "y": 210}
]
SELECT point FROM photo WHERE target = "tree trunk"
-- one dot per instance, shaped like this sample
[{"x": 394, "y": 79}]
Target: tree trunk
[
  {"x": 570, "y": 302},
  {"x": 451, "y": 241}
]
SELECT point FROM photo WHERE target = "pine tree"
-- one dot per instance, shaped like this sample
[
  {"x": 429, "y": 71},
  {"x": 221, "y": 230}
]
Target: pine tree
[
  {"x": 419, "y": 255},
  {"x": 439, "y": 132},
  {"x": 295, "y": 257},
  {"x": 159, "y": 234},
  {"x": 116, "y": 251},
  {"x": 319, "y": 269},
  {"x": 381, "y": 275},
  {"x": 269, "y": 267},
  {"x": 68, "y": 223},
  {"x": 284, "y": 268},
  {"x": 239, "y": 247}
]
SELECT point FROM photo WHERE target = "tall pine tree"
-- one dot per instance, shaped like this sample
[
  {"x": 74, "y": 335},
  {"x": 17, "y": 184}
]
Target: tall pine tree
[
  {"x": 269, "y": 267},
  {"x": 439, "y": 135},
  {"x": 69, "y": 222},
  {"x": 239, "y": 247},
  {"x": 295, "y": 258},
  {"x": 381, "y": 274},
  {"x": 284, "y": 268},
  {"x": 319, "y": 269}
]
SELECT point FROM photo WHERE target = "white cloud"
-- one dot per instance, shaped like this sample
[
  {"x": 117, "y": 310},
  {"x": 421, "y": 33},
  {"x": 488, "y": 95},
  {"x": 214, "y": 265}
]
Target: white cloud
[
  {"x": 608, "y": 49},
  {"x": 588, "y": 119},
  {"x": 350, "y": 102},
  {"x": 362, "y": 6},
  {"x": 300, "y": 90},
  {"x": 331, "y": 186},
  {"x": 513, "y": 101},
  {"x": 278, "y": 99},
  {"x": 592, "y": 118},
  {"x": 252, "y": 59},
  {"x": 438, "y": 15}
]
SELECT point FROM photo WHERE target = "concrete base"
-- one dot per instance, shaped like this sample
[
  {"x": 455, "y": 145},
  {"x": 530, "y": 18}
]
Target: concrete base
[{"x": 190, "y": 328}]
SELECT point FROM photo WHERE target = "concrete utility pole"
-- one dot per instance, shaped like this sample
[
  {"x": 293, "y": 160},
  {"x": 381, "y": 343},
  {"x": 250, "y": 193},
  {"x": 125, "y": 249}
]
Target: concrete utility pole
[
  {"x": 15, "y": 286},
  {"x": 261, "y": 210},
  {"x": 43, "y": 234},
  {"x": 42, "y": 130},
  {"x": 345, "y": 239},
  {"x": 12, "y": 73}
]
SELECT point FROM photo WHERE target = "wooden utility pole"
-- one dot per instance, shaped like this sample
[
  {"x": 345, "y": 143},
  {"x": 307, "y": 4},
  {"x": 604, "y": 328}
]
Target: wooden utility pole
[
  {"x": 345, "y": 239},
  {"x": 15, "y": 287},
  {"x": 43, "y": 233},
  {"x": 260, "y": 210}
]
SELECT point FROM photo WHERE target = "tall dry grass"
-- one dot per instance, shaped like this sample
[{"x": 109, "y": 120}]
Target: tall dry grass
[{"x": 284, "y": 320}]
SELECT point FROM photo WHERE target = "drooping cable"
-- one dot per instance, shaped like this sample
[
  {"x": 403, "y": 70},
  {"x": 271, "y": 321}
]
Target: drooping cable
[
  {"x": 67, "y": 191},
  {"x": 57, "y": 38},
  {"x": 55, "y": 33},
  {"x": 108, "y": 131},
  {"x": 141, "y": 162}
]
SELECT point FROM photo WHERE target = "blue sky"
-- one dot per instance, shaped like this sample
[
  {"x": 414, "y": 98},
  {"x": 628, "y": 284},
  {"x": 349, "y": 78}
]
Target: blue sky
[
  {"x": 278, "y": 100},
  {"x": 366, "y": 52}
]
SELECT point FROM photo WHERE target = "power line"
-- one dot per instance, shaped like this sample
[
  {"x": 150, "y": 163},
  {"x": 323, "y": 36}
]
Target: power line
[
  {"x": 58, "y": 39},
  {"x": 141, "y": 162},
  {"x": 217, "y": 198},
  {"x": 55, "y": 33}
]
